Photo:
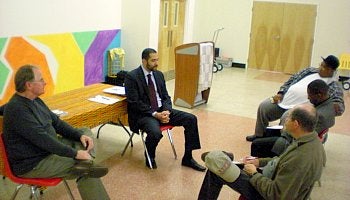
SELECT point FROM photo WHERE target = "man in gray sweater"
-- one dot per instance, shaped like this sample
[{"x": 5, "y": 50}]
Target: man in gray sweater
[{"x": 40, "y": 145}]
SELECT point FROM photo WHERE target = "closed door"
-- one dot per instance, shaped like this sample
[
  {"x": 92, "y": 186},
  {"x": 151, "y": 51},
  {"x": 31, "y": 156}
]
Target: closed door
[
  {"x": 282, "y": 36},
  {"x": 171, "y": 30}
]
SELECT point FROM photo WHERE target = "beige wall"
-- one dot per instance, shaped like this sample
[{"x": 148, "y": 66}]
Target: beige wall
[
  {"x": 36, "y": 17},
  {"x": 331, "y": 34},
  {"x": 139, "y": 29},
  {"x": 138, "y": 20}
]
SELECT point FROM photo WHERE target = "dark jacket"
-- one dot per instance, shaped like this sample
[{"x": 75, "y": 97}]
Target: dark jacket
[
  {"x": 2, "y": 109},
  {"x": 138, "y": 99}
]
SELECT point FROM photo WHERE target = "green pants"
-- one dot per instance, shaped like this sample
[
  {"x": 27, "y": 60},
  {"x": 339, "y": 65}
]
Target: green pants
[{"x": 58, "y": 166}]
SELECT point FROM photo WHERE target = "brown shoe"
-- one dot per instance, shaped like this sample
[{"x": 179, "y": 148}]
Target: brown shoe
[{"x": 89, "y": 169}]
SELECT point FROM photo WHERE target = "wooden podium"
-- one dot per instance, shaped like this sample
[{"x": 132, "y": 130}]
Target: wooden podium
[{"x": 193, "y": 73}]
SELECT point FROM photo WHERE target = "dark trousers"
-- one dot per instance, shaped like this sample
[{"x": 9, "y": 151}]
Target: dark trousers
[
  {"x": 177, "y": 118},
  {"x": 212, "y": 185},
  {"x": 261, "y": 147}
]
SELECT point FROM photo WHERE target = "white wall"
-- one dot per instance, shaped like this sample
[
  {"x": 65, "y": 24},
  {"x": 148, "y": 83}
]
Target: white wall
[
  {"x": 138, "y": 20},
  {"x": 331, "y": 34},
  {"x": 28, "y": 17},
  {"x": 139, "y": 29},
  {"x": 234, "y": 16}
]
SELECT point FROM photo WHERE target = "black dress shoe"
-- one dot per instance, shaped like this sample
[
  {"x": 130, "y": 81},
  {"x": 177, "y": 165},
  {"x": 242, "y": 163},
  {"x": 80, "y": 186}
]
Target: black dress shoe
[
  {"x": 250, "y": 138},
  {"x": 192, "y": 164},
  {"x": 154, "y": 164},
  {"x": 89, "y": 169}
]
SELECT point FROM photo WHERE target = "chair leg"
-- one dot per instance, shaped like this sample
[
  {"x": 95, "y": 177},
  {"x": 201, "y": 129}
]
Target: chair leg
[
  {"x": 127, "y": 144},
  {"x": 99, "y": 128},
  {"x": 68, "y": 189},
  {"x": 145, "y": 147},
  {"x": 34, "y": 192},
  {"x": 18, "y": 187},
  {"x": 172, "y": 143}
]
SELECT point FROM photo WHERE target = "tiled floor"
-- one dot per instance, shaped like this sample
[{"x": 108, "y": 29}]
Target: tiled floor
[{"x": 223, "y": 123}]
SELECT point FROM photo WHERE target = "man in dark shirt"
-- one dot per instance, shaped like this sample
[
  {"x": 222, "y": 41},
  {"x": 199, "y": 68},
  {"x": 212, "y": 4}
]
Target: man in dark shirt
[
  {"x": 40, "y": 145},
  {"x": 149, "y": 106}
]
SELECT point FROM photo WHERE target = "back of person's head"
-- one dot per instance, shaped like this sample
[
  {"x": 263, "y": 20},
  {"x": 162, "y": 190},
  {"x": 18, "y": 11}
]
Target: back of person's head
[
  {"x": 306, "y": 116},
  {"x": 331, "y": 61},
  {"x": 146, "y": 53},
  {"x": 318, "y": 87},
  {"x": 23, "y": 75}
]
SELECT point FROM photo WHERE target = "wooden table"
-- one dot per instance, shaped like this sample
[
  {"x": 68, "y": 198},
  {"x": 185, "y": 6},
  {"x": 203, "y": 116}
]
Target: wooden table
[{"x": 82, "y": 112}]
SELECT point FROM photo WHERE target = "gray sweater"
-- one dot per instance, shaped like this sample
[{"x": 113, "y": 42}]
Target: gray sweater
[{"x": 31, "y": 133}]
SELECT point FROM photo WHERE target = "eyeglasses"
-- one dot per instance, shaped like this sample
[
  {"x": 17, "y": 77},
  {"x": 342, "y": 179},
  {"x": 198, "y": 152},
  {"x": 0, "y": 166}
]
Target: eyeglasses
[{"x": 36, "y": 81}]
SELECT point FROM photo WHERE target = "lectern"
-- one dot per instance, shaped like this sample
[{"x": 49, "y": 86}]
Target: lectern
[{"x": 193, "y": 73}]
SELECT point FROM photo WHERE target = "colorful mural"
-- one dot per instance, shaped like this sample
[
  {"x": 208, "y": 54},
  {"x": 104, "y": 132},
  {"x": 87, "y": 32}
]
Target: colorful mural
[{"x": 67, "y": 61}]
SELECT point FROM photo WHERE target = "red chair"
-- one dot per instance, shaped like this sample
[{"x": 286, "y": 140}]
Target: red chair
[
  {"x": 33, "y": 183},
  {"x": 323, "y": 135},
  {"x": 162, "y": 128}
]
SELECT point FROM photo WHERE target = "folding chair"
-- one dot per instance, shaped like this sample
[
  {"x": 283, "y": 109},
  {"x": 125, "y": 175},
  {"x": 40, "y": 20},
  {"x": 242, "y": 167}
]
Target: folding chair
[
  {"x": 162, "y": 128},
  {"x": 323, "y": 135},
  {"x": 33, "y": 183}
]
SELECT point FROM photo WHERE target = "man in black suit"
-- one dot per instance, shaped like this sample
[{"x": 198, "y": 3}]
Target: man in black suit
[{"x": 149, "y": 106}]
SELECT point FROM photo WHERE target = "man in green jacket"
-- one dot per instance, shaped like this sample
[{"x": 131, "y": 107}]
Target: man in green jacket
[{"x": 289, "y": 176}]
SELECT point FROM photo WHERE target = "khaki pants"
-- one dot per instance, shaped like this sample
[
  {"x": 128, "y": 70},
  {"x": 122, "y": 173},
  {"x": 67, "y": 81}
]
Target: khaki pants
[{"x": 58, "y": 166}]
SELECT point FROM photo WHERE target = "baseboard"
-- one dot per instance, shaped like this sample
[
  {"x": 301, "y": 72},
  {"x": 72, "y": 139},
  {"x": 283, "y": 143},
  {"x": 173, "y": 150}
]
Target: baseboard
[{"x": 238, "y": 65}]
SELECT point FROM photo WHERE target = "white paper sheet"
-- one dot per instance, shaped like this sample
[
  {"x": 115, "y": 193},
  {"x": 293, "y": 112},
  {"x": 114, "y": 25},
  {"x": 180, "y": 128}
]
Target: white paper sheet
[
  {"x": 103, "y": 99},
  {"x": 118, "y": 90}
]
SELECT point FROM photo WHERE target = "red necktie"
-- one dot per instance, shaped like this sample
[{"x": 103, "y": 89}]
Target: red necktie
[{"x": 152, "y": 93}]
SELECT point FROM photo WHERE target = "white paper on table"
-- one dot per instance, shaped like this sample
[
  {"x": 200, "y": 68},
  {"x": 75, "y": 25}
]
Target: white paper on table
[
  {"x": 103, "y": 99},
  {"x": 60, "y": 112},
  {"x": 118, "y": 90}
]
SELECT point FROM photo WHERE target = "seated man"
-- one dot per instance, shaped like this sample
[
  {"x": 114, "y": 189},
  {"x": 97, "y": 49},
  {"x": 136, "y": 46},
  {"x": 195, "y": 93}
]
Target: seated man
[
  {"x": 149, "y": 106},
  {"x": 293, "y": 92},
  {"x": 40, "y": 145},
  {"x": 289, "y": 176},
  {"x": 318, "y": 95}
]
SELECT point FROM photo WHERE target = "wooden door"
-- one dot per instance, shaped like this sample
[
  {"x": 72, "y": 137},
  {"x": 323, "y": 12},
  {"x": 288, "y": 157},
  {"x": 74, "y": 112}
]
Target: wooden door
[
  {"x": 171, "y": 30},
  {"x": 281, "y": 36}
]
